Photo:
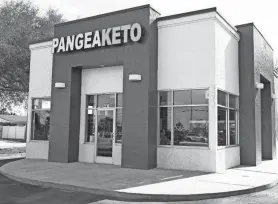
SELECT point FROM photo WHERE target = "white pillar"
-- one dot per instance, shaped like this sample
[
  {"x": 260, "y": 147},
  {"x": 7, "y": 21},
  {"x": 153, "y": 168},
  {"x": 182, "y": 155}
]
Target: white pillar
[{"x": 213, "y": 127}]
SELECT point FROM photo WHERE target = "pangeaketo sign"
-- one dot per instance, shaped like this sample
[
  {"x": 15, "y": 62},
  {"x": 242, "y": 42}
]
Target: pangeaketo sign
[{"x": 100, "y": 38}]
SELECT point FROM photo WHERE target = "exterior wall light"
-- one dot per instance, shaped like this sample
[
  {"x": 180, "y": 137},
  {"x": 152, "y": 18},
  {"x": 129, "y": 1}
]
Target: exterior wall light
[
  {"x": 134, "y": 77},
  {"x": 259, "y": 85},
  {"x": 60, "y": 85}
]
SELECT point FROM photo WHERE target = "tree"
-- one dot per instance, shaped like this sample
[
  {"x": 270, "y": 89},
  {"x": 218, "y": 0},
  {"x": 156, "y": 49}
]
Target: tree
[{"x": 20, "y": 24}]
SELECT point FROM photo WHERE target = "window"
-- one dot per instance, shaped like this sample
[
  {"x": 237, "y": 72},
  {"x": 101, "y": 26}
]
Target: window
[
  {"x": 103, "y": 101},
  {"x": 40, "y": 119},
  {"x": 165, "y": 98},
  {"x": 91, "y": 124},
  {"x": 183, "y": 118},
  {"x": 106, "y": 100},
  {"x": 165, "y": 125},
  {"x": 119, "y": 125},
  {"x": 119, "y": 118},
  {"x": 222, "y": 126},
  {"x": 227, "y": 119}
]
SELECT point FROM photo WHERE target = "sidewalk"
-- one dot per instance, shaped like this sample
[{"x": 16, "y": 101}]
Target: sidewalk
[{"x": 143, "y": 185}]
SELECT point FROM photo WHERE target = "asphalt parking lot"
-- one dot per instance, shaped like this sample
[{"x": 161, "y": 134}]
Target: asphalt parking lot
[{"x": 12, "y": 192}]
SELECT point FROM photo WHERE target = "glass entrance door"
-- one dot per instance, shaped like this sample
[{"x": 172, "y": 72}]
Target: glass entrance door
[{"x": 105, "y": 136}]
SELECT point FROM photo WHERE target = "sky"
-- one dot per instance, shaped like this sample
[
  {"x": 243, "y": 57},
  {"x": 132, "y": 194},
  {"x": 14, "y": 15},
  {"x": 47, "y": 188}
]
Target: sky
[{"x": 264, "y": 14}]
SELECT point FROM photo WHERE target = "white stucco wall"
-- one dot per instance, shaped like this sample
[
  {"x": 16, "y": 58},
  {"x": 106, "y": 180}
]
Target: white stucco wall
[
  {"x": 227, "y": 79},
  {"x": 37, "y": 150},
  {"x": 226, "y": 60},
  {"x": 98, "y": 81},
  {"x": 185, "y": 52},
  {"x": 117, "y": 154},
  {"x": 39, "y": 86},
  {"x": 87, "y": 152},
  {"x": 185, "y": 158},
  {"x": 228, "y": 157},
  {"x": 199, "y": 51}
]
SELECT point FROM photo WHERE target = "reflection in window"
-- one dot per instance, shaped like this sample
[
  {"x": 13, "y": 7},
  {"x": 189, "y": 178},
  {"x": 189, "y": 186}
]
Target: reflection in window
[
  {"x": 221, "y": 98},
  {"x": 92, "y": 101},
  {"x": 98, "y": 104},
  {"x": 90, "y": 126},
  {"x": 190, "y": 97},
  {"x": 105, "y": 130},
  {"x": 41, "y": 104},
  {"x": 182, "y": 97},
  {"x": 119, "y": 125},
  {"x": 41, "y": 119},
  {"x": 227, "y": 119},
  {"x": 165, "y": 98},
  {"x": 232, "y": 101},
  {"x": 199, "y": 97},
  {"x": 222, "y": 124},
  {"x": 165, "y": 126},
  {"x": 119, "y": 100},
  {"x": 106, "y": 100},
  {"x": 232, "y": 127},
  {"x": 183, "y": 120},
  {"x": 190, "y": 125}
]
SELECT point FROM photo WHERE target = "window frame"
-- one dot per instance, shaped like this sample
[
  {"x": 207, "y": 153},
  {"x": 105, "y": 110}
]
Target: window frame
[
  {"x": 227, "y": 109},
  {"x": 41, "y": 109},
  {"x": 95, "y": 108},
  {"x": 172, "y": 106}
]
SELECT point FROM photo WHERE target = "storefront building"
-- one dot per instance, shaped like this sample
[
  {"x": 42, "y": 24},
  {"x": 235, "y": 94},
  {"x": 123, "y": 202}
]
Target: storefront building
[{"x": 136, "y": 90}]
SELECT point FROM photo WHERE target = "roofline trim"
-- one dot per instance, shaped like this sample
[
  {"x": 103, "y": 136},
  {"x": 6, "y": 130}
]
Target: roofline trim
[
  {"x": 41, "y": 41},
  {"x": 185, "y": 22},
  {"x": 233, "y": 27},
  {"x": 234, "y": 34},
  {"x": 40, "y": 45},
  {"x": 105, "y": 14},
  {"x": 197, "y": 12},
  {"x": 252, "y": 24},
  {"x": 154, "y": 9},
  {"x": 191, "y": 13}
]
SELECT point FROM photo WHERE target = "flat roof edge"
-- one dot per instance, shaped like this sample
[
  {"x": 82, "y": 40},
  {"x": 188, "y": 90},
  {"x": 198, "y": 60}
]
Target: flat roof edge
[
  {"x": 252, "y": 24},
  {"x": 154, "y": 9},
  {"x": 224, "y": 19},
  {"x": 197, "y": 12},
  {"x": 190, "y": 13},
  {"x": 40, "y": 45},
  {"x": 40, "y": 41},
  {"x": 106, "y": 14}
]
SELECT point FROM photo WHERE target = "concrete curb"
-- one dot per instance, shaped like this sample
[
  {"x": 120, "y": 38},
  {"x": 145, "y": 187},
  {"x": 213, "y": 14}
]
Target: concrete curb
[
  {"x": 12, "y": 156},
  {"x": 122, "y": 196}
]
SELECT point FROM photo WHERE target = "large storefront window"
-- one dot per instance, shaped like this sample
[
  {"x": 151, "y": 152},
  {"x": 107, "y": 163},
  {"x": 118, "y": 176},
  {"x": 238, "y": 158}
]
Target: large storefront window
[
  {"x": 102, "y": 102},
  {"x": 183, "y": 118},
  {"x": 227, "y": 119},
  {"x": 40, "y": 119}
]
